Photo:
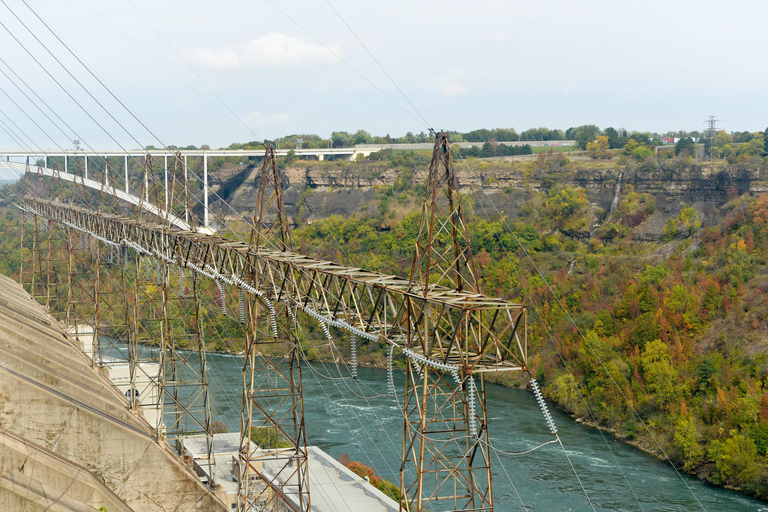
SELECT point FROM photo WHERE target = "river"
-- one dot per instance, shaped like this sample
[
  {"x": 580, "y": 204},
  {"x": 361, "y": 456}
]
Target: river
[{"x": 355, "y": 417}]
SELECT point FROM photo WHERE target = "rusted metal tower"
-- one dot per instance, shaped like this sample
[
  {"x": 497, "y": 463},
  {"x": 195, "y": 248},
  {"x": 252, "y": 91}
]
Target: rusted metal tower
[
  {"x": 273, "y": 444},
  {"x": 445, "y": 430}
]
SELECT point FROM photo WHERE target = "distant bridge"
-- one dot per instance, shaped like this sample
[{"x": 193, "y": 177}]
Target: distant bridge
[{"x": 345, "y": 153}]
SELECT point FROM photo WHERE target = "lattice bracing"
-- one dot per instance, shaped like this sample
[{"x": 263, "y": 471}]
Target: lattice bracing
[
  {"x": 273, "y": 444},
  {"x": 438, "y": 318}
]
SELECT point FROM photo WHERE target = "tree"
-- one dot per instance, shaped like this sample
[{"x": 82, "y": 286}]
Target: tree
[
  {"x": 660, "y": 375},
  {"x": 689, "y": 219},
  {"x": 640, "y": 153},
  {"x": 341, "y": 139},
  {"x": 481, "y": 135},
  {"x": 487, "y": 150},
  {"x": 616, "y": 139},
  {"x": 734, "y": 458},
  {"x": 599, "y": 148},
  {"x": 756, "y": 146},
  {"x": 538, "y": 134},
  {"x": 722, "y": 138},
  {"x": 583, "y": 134},
  {"x": 685, "y": 441},
  {"x": 685, "y": 145},
  {"x": 765, "y": 140},
  {"x": 743, "y": 137},
  {"x": 728, "y": 153},
  {"x": 630, "y": 146},
  {"x": 565, "y": 207}
]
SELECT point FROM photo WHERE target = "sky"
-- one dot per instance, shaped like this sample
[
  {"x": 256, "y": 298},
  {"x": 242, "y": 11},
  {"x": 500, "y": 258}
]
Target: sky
[{"x": 201, "y": 72}]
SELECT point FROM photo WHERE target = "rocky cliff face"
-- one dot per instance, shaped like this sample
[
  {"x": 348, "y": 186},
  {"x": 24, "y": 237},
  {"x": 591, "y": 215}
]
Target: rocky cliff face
[{"x": 318, "y": 192}]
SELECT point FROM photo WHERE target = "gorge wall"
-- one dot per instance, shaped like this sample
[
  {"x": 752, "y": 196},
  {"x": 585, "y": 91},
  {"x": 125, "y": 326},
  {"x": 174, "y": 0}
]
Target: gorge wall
[{"x": 318, "y": 191}]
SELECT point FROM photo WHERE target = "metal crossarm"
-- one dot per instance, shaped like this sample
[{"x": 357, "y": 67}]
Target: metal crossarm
[{"x": 380, "y": 307}]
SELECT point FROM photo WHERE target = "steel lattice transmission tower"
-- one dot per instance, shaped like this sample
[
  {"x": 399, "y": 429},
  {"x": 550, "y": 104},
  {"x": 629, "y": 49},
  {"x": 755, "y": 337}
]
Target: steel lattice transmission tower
[
  {"x": 711, "y": 132},
  {"x": 445, "y": 435},
  {"x": 273, "y": 443}
]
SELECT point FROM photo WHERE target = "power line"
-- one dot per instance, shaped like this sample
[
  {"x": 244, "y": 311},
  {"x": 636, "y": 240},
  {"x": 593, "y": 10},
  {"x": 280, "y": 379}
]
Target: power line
[
  {"x": 192, "y": 69},
  {"x": 87, "y": 69},
  {"x": 377, "y": 62},
  {"x": 346, "y": 63},
  {"x": 33, "y": 103},
  {"x": 84, "y": 88},
  {"x": 237, "y": 122},
  {"x": 30, "y": 118},
  {"x": 592, "y": 349},
  {"x": 39, "y": 98}
]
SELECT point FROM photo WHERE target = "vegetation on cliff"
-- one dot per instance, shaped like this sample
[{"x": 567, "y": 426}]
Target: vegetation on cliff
[{"x": 671, "y": 331}]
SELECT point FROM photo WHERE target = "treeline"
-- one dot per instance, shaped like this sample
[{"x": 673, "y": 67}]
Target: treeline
[
  {"x": 413, "y": 159},
  {"x": 581, "y": 134},
  {"x": 490, "y": 149},
  {"x": 617, "y": 138}
]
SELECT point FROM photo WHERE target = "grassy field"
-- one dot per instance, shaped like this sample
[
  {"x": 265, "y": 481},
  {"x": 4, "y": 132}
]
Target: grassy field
[{"x": 560, "y": 149}]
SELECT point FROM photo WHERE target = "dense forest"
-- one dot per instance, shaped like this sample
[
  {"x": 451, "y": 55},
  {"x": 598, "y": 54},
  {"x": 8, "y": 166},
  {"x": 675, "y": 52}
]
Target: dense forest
[{"x": 671, "y": 330}]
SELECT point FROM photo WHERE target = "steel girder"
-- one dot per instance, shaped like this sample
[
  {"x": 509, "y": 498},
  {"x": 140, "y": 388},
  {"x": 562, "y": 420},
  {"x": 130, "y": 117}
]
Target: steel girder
[{"x": 381, "y": 307}]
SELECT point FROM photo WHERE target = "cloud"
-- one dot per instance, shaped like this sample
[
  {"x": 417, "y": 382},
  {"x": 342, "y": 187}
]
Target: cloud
[
  {"x": 259, "y": 121},
  {"x": 272, "y": 50},
  {"x": 496, "y": 37},
  {"x": 448, "y": 84}
]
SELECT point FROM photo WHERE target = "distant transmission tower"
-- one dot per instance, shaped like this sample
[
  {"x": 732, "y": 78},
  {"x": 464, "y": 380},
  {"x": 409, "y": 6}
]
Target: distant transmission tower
[{"x": 711, "y": 131}]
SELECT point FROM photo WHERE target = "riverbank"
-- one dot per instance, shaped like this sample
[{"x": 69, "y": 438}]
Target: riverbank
[
  {"x": 626, "y": 438},
  {"x": 622, "y": 438}
]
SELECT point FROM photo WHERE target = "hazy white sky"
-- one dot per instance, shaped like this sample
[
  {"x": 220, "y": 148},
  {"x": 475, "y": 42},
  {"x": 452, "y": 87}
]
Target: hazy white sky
[{"x": 650, "y": 65}]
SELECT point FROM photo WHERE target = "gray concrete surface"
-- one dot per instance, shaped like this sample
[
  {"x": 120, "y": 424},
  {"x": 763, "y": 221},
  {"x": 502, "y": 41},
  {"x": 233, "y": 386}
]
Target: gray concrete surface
[{"x": 54, "y": 405}]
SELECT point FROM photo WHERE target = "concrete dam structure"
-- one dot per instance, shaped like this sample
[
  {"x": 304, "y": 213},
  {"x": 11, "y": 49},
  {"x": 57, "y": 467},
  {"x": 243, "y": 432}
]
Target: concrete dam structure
[{"x": 68, "y": 440}]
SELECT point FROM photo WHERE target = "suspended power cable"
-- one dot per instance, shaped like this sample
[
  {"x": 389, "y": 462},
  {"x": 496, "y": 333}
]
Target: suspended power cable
[
  {"x": 370, "y": 406},
  {"x": 102, "y": 83},
  {"x": 390, "y": 98},
  {"x": 13, "y": 137},
  {"x": 41, "y": 101},
  {"x": 602, "y": 364},
  {"x": 236, "y": 121},
  {"x": 30, "y": 118},
  {"x": 87, "y": 68},
  {"x": 44, "y": 68},
  {"x": 567, "y": 367},
  {"x": 626, "y": 399},
  {"x": 525, "y": 452},
  {"x": 192, "y": 70},
  {"x": 332, "y": 404},
  {"x": 511, "y": 483},
  {"x": 42, "y": 151},
  {"x": 378, "y": 63},
  {"x": 89, "y": 93}
]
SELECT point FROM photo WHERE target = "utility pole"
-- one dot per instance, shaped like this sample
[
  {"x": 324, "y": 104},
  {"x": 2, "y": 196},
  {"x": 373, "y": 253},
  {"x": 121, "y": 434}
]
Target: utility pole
[{"x": 711, "y": 131}]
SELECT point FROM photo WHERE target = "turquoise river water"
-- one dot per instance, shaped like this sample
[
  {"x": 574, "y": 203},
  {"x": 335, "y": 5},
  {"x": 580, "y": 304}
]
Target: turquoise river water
[{"x": 357, "y": 418}]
